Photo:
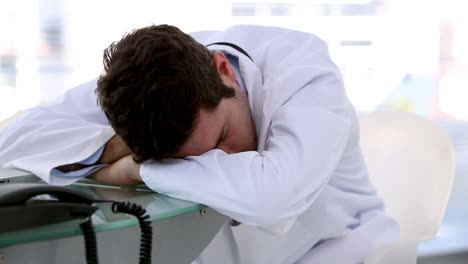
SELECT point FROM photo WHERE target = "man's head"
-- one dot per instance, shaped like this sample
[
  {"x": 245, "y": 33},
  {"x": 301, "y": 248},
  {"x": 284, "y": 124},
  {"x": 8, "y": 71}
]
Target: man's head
[{"x": 166, "y": 95}]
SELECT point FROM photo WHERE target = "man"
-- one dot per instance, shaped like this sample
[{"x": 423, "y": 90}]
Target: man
[{"x": 253, "y": 122}]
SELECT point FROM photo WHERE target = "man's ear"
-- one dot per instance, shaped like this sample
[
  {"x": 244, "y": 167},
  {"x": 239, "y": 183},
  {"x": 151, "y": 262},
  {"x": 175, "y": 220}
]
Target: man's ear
[{"x": 223, "y": 67}]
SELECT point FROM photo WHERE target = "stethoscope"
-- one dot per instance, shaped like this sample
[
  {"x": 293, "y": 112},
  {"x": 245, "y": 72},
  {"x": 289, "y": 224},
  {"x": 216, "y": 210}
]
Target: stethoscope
[{"x": 232, "y": 45}]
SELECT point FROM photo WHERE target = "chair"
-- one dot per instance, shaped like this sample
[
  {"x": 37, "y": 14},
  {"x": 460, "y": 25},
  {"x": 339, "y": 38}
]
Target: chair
[{"x": 411, "y": 163}]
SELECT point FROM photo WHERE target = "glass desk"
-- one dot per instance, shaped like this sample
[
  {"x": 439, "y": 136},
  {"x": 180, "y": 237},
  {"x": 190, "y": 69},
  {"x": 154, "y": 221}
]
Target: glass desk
[{"x": 181, "y": 229}]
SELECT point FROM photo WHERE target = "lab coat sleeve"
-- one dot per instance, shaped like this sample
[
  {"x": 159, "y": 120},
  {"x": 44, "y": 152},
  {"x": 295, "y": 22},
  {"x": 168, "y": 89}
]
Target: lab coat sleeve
[
  {"x": 84, "y": 171},
  {"x": 265, "y": 188},
  {"x": 69, "y": 130}
]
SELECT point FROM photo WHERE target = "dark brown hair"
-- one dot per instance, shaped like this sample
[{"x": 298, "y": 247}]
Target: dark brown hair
[{"x": 155, "y": 81}]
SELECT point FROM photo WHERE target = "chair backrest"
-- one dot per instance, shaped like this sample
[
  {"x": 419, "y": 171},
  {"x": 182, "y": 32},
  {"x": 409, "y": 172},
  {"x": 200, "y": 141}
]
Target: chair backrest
[{"x": 411, "y": 163}]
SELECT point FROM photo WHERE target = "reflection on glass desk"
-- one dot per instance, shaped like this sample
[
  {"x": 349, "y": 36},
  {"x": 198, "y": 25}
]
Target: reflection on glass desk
[{"x": 181, "y": 230}]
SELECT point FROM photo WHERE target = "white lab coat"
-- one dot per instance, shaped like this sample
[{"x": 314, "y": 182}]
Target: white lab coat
[{"x": 303, "y": 197}]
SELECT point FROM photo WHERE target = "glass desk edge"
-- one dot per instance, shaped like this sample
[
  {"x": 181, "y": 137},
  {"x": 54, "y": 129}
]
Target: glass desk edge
[{"x": 42, "y": 233}]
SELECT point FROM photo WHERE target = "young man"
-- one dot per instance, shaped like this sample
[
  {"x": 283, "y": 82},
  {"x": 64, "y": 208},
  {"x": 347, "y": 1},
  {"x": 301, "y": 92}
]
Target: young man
[{"x": 251, "y": 121}]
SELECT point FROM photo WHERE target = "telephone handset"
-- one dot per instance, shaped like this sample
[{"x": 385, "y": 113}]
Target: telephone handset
[{"x": 24, "y": 205}]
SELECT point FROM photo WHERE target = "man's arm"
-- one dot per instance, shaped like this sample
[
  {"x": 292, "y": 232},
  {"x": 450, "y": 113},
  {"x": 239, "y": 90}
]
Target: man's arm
[
  {"x": 124, "y": 171},
  {"x": 69, "y": 130},
  {"x": 114, "y": 150},
  {"x": 260, "y": 188}
]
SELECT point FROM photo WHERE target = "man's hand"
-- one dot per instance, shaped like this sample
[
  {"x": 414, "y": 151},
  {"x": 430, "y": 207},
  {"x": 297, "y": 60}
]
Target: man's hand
[
  {"x": 122, "y": 170},
  {"x": 114, "y": 150},
  {"x": 125, "y": 171}
]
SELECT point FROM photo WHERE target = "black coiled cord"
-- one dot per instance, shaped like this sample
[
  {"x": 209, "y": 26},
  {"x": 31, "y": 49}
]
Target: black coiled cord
[
  {"x": 127, "y": 208},
  {"x": 145, "y": 226},
  {"x": 90, "y": 241}
]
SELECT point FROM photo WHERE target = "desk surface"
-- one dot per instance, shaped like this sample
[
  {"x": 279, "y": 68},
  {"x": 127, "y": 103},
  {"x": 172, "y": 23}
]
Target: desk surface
[{"x": 157, "y": 206}]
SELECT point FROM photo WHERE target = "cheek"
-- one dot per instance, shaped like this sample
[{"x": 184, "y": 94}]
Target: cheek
[
  {"x": 247, "y": 138},
  {"x": 241, "y": 133},
  {"x": 230, "y": 144},
  {"x": 238, "y": 141}
]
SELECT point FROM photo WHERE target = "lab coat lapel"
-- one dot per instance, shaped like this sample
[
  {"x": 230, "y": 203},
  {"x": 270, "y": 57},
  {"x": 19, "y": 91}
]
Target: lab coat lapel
[{"x": 257, "y": 95}]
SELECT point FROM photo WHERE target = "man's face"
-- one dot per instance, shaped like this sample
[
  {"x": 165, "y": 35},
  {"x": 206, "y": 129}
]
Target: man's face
[{"x": 228, "y": 127}]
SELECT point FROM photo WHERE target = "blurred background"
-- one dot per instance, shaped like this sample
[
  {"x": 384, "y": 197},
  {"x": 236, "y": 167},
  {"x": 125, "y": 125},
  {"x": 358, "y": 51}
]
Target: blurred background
[{"x": 405, "y": 55}]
